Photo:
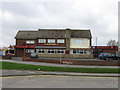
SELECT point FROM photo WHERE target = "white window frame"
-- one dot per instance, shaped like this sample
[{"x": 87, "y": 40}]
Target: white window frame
[
  {"x": 51, "y": 51},
  {"x": 41, "y": 40},
  {"x": 60, "y": 50},
  {"x": 30, "y": 42},
  {"x": 60, "y": 41},
  {"x": 80, "y": 51},
  {"x": 41, "y": 51},
  {"x": 30, "y": 50},
  {"x": 51, "y": 40}
]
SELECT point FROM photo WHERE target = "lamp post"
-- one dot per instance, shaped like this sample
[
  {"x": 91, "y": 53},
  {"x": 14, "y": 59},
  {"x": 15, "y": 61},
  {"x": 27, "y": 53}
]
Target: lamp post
[{"x": 96, "y": 41}]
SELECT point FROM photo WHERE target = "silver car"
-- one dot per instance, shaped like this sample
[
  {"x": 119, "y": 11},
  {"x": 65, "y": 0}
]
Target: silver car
[{"x": 34, "y": 55}]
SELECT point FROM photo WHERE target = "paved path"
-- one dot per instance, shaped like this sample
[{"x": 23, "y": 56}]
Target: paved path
[{"x": 57, "y": 65}]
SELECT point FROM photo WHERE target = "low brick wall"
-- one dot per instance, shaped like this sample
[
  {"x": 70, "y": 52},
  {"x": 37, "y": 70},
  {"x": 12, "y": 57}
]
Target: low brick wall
[
  {"x": 7, "y": 57},
  {"x": 78, "y": 62},
  {"x": 66, "y": 55}
]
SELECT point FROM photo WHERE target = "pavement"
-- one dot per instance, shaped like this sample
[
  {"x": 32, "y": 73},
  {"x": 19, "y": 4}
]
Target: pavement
[{"x": 28, "y": 72}]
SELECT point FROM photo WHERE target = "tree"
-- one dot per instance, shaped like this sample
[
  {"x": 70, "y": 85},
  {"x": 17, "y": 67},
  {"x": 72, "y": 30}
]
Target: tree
[{"x": 112, "y": 43}]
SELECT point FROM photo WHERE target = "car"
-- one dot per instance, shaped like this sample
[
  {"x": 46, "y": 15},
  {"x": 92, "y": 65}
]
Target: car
[
  {"x": 34, "y": 55},
  {"x": 112, "y": 57},
  {"x": 102, "y": 56},
  {"x": 108, "y": 56}
]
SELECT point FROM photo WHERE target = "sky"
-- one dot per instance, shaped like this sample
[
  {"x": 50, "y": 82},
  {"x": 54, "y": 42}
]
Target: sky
[{"x": 100, "y": 16}]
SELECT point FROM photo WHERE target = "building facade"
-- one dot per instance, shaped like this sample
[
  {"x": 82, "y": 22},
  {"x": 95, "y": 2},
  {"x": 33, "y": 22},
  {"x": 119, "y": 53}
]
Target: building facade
[{"x": 63, "y": 43}]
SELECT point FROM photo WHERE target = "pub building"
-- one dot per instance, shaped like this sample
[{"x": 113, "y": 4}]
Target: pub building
[{"x": 61, "y": 43}]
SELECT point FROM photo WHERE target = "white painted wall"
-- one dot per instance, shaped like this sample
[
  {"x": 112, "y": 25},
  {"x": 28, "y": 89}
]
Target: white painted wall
[{"x": 79, "y": 43}]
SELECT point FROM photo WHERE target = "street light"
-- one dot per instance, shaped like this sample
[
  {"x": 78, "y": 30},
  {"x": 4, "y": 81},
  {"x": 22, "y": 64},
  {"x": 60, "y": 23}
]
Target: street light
[{"x": 96, "y": 40}]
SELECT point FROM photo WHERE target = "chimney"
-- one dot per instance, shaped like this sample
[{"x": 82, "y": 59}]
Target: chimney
[{"x": 67, "y": 36}]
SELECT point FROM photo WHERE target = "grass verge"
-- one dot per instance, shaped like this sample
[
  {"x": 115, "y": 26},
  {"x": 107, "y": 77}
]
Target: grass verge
[{"x": 16, "y": 66}]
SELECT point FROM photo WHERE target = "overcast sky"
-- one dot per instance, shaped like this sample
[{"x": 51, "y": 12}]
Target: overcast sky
[{"x": 100, "y": 16}]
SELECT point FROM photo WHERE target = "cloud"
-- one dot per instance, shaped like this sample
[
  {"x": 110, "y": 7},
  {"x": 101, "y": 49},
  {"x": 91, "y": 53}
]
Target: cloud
[{"x": 99, "y": 15}]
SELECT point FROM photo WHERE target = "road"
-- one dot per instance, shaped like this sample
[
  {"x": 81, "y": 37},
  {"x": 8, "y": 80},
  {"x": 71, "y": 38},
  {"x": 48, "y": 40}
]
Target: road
[{"x": 52, "y": 81}]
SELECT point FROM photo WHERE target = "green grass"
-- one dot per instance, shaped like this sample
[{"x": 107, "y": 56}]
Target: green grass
[{"x": 16, "y": 66}]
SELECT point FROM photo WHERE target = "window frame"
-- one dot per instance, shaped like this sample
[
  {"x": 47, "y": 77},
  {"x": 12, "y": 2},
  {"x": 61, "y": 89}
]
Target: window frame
[
  {"x": 50, "y": 50},
  {"x": 60, "y": 51},
  {"x": 30, "y": 42},
  {"x": 79, "y": 51},
  {"x": 60, "y": 40},
  {"x": 30, "y": 50},
  {"x": 41, "y": 51},
  {"x": 44, "y": 40},
  {"x": 49, "y": 41},
  {"x": 78, "y": 41}
]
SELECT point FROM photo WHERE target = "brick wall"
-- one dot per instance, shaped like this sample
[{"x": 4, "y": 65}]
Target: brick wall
[
  {"x": 78, "y": 62},
  {"x": 66, "y": 55}
]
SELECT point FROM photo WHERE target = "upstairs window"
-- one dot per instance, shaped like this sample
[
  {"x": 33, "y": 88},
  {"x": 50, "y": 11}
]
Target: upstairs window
[
  {"x": 41, "y": 40},
  {"x": 60, "y": 41},
  {"x": 30, "y": 42},
  {"x": 51, "y": 40},
  {"x": 78, "y": 41}
]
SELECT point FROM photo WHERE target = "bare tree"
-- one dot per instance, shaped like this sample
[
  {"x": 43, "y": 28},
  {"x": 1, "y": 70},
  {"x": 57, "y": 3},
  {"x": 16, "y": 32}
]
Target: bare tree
[{"x": 112, "y": 43}]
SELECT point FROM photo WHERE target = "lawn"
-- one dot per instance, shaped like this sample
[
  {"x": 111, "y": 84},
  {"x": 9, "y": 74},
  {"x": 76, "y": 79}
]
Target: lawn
[{"x": 16, "y": 66}]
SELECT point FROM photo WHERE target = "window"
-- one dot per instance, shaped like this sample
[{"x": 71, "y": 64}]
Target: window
[
  {"x": 50, "y": 51},
  {"x": 60, "y": 41},
  {"x": 78, "y": 41},
  {"x": 29, "y": 50},
  {"x": 76, "y": 51},
  {"x": 41, "y": 40},
  {"x": 41, "y": 51},
  {"x": 51, "y": 40},
  {"x": 30, "y": 42},
  {"x": 61, "y": 51}
]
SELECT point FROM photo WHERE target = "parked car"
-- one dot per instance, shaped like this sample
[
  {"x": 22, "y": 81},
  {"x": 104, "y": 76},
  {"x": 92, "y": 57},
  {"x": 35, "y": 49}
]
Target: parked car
[
  {"x": 112, "y": 57},
  {"x": 34, "y": 55},
  {"x": 108, "y": 56},
  {"x": 102, "y": 56}
]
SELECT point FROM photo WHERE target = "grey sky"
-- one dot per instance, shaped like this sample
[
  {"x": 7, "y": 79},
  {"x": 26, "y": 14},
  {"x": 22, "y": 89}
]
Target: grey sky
[{"x": 101, "y": 16}]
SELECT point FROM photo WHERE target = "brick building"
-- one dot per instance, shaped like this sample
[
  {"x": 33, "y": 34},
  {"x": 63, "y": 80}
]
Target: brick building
[{"x": 64, "y": 43}]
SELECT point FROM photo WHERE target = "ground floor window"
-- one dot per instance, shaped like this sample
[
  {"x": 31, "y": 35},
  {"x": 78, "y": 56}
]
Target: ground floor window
[
  {"x": 41, "y": 51},
  {"x": 51, "y": 51},
  {"x": 29, "y": 50},
  {"x": 79, "y": 51},
  {"x": 60, "y": 51}
]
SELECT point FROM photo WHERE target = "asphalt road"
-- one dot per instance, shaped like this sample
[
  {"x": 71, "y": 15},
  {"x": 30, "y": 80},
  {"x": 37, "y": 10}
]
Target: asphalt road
[{"x": 50, "y": 81}]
